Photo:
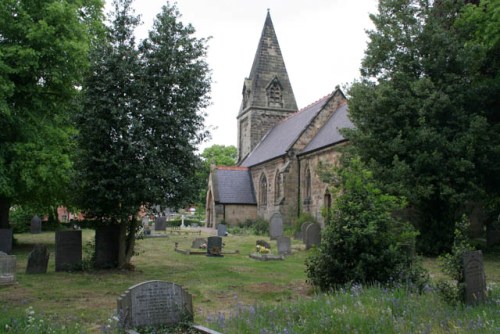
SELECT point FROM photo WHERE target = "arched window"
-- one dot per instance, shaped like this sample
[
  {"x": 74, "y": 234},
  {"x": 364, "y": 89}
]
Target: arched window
[
  {"x": 308, "y": 182},
  {"x": 275, "y": 93},
  {"x": 263, "y": 190},
  {"x": 278, "y": 187}
]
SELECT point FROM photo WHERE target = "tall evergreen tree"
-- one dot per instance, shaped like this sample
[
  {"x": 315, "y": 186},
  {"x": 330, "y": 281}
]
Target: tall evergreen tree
[
  {"x": 420, "y": 124},
  {"x": 141, "y": 121},
  {"x": 43, "y": 55}
]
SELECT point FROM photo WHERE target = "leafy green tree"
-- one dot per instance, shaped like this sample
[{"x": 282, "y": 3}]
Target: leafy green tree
[
  {"x": 141, "y": 121},
  {"x": 363, "y": 242},
  {"x": 43, "y": 56},
  {"x": 421, "y": 125},
  {"x": 219, "y": 155}
]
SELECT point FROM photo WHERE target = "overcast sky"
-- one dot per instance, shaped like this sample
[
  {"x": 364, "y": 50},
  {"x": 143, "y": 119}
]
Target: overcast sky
[{"x": 322, "y": 42}]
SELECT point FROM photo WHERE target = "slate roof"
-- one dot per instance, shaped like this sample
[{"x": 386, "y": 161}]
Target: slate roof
[
  {"x": 330, "y": 134},
  {"x": 233, "y": 185},
  {"x": 280, "y": 138}
]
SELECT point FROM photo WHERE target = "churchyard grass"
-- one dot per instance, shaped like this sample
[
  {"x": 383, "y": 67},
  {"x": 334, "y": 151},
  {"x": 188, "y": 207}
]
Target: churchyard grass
[{"x": 226, "y": 286}]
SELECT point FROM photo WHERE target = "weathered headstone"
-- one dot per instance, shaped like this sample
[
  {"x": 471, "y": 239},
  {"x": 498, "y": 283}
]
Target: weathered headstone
[
  {"x": 313, "y": 235},
  {"x": 6, "y": 240},
  {"x": 214, "y": 246},
  {"x": 36, "y": 225},
  {"x": 276, "y": 226},
  {"x": 198, "y": 242},
  {"x": 475, "y": 279},
  {"x": 68, "y": 250},
  {"x": 303, "y": 229},
  {"x": 38, "y": 260},
  {"x": 154, "y": 303},
  {"x": 161, "y": 223},
  {"x": 7, "y": 268},
  {"x": 263, "y": 243},
  {"x": 107, "y": 245},
  {"x": 284, "y": 245},
  {"x": 221, "y": 230}
]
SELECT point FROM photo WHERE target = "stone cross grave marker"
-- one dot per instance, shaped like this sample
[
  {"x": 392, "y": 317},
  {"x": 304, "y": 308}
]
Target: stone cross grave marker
[
  {"x": 313, "y": 235},
  {"x": 36, "y": 225},
  {"x": 7, "y": 269},
  {"x": 303, "y": 229},
  {"x": 221, "y": 230},
  {"x": 107, "y": 245},
  {"x": 198, "y": 242},
  {"x": 38, "y": 260},
  {"x": 161, "y": 223},
  {"x": 284, "y": 245},
  {"x": 154, "y": 303},
  {"x": 276, "y": 226},
  {"x": 475, "y": 279},
  {"x": 6, "y": 240},
  {"x": 214, "y": 246},
  {"x": 68, "y": 250}
]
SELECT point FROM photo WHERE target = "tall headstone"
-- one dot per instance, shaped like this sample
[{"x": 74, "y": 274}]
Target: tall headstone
[
  {"x": 107, "y": 246},
  {"x": 68, "y": 250},
  {"x": 221, "y": 230},
  {"x": 303, "y": 229},
  {"x": 475, "y": 279},
  {"x": 6, "y": 240},
  {"x": 313, "y": 235},
  {"x": 7, "y": 268},
  {"x": 284, "y": 245},
  {"x": 36, "y": 225},
  {"x": 154, "y": 303},
  {"x": 161, "y": 223},
  {"x": 276, "y": 226},
  {"x": 38, "y": 259},
  {"x": 214, "y": 246}
]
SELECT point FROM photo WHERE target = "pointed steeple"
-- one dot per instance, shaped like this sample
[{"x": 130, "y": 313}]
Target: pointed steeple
[
  {"x": 268, "y": 85},
  {"x": 267, "y": 93}
]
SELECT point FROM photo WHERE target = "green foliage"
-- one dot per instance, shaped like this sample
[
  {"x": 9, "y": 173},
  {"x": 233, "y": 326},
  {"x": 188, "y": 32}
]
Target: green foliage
[
  {"x": 426, "y": 111},
  {"x": 364, "y": 242},
  {"x": 301, "y": 219},
  {"x": 43, "y": 57},
  {"x": 452, "y": 264}
]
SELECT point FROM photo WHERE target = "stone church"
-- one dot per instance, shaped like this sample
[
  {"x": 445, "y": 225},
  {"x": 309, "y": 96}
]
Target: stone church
[{"x": 279, "y": 147}]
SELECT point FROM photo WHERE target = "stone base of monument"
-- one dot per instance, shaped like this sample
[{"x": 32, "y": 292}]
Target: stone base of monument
[{"x": 266, "y": 257}]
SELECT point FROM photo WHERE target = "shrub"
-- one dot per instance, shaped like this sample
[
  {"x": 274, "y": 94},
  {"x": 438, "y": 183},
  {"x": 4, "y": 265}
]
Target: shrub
[
  {"x": 260, "y": 227},
  {"x": 452, "y": 264},
  {"x": 364, "y": 242},
  {"x": 301, "y": 219}
]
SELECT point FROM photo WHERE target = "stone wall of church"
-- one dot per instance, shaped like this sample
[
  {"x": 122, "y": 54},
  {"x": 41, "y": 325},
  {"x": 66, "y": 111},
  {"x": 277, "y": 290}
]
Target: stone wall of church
[
  {"x": 281, "y": 188},
  {"x": 235, "y": 214},
  {"x": 314, "y": 202}
]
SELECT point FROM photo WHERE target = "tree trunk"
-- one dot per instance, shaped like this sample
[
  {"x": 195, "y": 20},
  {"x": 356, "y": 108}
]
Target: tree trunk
[
  {"x": 4, "y": 212},
  {"x": 127, "y": 243}
]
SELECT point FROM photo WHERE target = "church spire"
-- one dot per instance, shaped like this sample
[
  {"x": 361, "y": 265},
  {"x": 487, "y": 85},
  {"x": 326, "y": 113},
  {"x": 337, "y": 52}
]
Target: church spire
[{"x": 268, "y": 85}]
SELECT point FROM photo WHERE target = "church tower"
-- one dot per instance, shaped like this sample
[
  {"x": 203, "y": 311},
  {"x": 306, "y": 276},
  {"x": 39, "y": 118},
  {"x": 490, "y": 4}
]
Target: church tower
[{"x": 267, "y": 93}]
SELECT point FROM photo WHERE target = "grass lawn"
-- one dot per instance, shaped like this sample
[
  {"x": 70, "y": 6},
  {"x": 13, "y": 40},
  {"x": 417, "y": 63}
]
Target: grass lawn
[{"x": 218, "y": 285}]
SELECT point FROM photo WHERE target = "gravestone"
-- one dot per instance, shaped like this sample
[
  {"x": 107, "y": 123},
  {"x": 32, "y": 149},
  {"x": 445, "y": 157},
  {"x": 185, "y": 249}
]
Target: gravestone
[
  {"x": 263, "y": 243},
  {"x": 107, "y": 245},
  {"x": 68, "y": 250},
  {"x": 6, "y": 240},
  {"x": 161, "y": 223},
  {"x": 303, "y": 229},
  {"x": 198, "y": 242},
  {"x": 284, "y": 245},
  {"x": 276, "y": 226},
  {"x": 221, "y": 230},
  {"x": 154, "y": 303},
  {"x": 475, "y": 279},
  {"x": 38, "y": 260},
  {"x": 214, "y": 246},
  {"x": 7, "y": 268},
  {"x": 36, "y": 225},
  {"x": 313, "y": 235}
]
